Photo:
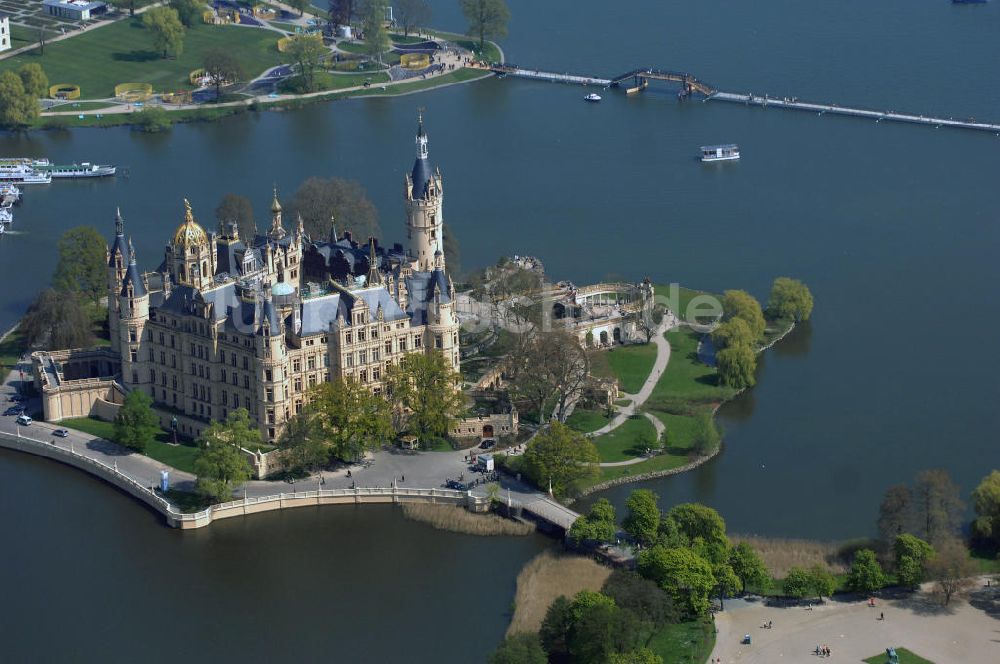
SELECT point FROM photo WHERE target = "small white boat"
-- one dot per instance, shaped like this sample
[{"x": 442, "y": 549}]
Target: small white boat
[
  {"x": 6, "y": 217},
  {"x": 593, "y": 96},
  {"x": 728, "y": 152}
]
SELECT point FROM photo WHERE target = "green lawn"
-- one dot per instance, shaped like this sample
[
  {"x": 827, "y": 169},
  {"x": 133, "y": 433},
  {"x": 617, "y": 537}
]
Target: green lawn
[
  {"x": 122, "y": 52},
  {"x": 586, "y": 421},
  {"x": 905, "y": 657},
  {"x": 631, "y": 365},
  {"x": 687, "y": 379},
  {"x": 11, "y": 349},
  {"x": 679, "y": 299},
  {"x": 180, "y": 456},
  {"x": 624, "y": 442},
  {"x": 684, "y": 643}
]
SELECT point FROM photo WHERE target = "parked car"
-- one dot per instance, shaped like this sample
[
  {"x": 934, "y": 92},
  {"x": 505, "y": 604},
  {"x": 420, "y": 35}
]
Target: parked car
[
  {"x": 455, "y": 484},
  {"x": 24, "y": 420},
  {"x": 487, "y": 444},
  {"x": 14, "y": 410},
  {"x": 60, "y": 433}
]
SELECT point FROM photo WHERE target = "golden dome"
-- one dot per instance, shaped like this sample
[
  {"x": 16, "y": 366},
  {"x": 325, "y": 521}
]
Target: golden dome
[{"x": 189, "y": 233}]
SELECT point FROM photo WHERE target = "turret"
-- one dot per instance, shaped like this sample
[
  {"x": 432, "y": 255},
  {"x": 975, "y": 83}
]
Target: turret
[
  {"x": 133, "y": 313},
  {"x": 277, "y": 231},
  {"x": 424, "y": 193},
  {"x": 117, "y": 264}
]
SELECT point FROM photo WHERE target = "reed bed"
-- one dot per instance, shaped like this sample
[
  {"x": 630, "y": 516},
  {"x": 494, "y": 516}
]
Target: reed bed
[
  {"x": 544, "y": 578},
  {"x": 781, "y": 554},
  {"x": 457, "y": 519}
]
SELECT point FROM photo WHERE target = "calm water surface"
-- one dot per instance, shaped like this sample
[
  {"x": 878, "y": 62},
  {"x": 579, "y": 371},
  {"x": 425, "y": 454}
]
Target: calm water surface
[{"x": 894, "y": 228}]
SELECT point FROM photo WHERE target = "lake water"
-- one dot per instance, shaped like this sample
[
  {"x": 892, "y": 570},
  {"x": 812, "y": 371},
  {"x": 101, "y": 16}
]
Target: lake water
[{"x": 893, "y": 227}]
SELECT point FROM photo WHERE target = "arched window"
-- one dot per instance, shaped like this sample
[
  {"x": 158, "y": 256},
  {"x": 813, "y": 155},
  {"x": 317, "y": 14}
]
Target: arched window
[{"x": 204, "y": 268}]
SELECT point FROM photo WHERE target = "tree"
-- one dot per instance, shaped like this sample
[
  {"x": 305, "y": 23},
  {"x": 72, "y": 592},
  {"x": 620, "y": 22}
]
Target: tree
[
  {"x": 303, "y": 443},
  {"x": 986, "y": 503},
  {"x": 413, "y": 14},
  {"x": 912, "y": 554},
  {"x": 951, "y": 569},
  {"x": 733, "y": 332},
  {"x": 560, "y": 456},
  {"x": 737, "y": 365},
  {"x": 790, "y": 298},
  {"x": 866, "y": 575},
  {"x": 682, "y": 573},
  {"x": 81, "y": 267},
  {"x": 341, "y": 11},
  {"x": 221, "y": 466},
  {"x": 188, "y": 11},
  {"x": 376, "y": 36},
  {"x": 136, "y": 425},
  {"x": 643, "y": 518},
  {"x": 152, "y": 120},
  {"x": 166, "y": 29},
  {"x": 895, "y": 514},
  {"x": 426, "y": 385},
  {"x": 307, "y": 51},
  {"x": 523, "y": 648},
  {"x": 740, "y": 304},
  {"x": 936, "y": 506},
  {"x": 823, "y": 583},
  {"x": 707, "y": 436},
  {"x": 17, "y": 108},
  {"x": 797, "y": 583},
  {"x": 640, "y": 656},
  {"x": 56, "y": 320},
  {"x": 748, "y": 566},
  {"x": 36, "y": 83},
  {"x": 597, "y": 525},
  {"x": 642, "y": 597},
  {"x": 299, "y": 4},
  {"x": 222, "y": 68},
  {"x": 320, "y": 200},
  {"x": 238, "y": 209},
  {"x": 500, "y": 285},
  {"x": 554, "y": 632},
  {"x": 348, "y": 418},
  {"x": 549, "y": 370},
  {"x": 703, "y": 529},
  {"x": 41, "y": 40},
  {"x": 487, "y": 19}
]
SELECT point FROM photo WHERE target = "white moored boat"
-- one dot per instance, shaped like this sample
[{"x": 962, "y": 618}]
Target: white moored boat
[
  {"x": 23, "y": 173},
  {"x": 593, "y": 96},
  {"x": 728, "y": 152},
  {"x": 84, "y": 170}
]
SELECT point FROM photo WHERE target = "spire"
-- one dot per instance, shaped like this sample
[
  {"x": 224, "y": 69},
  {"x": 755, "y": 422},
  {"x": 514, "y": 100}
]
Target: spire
[
  {"x": 301, "y": 225},
  {"x": 119, "y": 223},
  {"x": 131, "y": 253},
  {"x": 275, "y": 205},
  {"x": 374, "y": 276},
  {"x": 277, "y": 230},
  {"x": 333, "y": 229},
  {"x": 420, "y": 176},
  {"x": 421, "y": 137}
]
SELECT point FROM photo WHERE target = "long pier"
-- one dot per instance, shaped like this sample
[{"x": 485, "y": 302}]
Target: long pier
[{"x": 690, "y": 85}]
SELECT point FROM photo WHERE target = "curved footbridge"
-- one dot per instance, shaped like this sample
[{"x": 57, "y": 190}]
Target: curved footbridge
[{"x": 638, "y": 80}]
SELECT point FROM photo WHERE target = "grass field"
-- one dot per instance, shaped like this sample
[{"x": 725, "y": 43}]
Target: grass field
[
  {"x": 686, "y": 378},
  {"x": 123, "y": 52},
  {"x": 689, "y": 642},
  {"x": 627, "y": 441},
  {"x": 586, "y": 421},
  {"x": 905, "y": 657},
  {"x": 631, "y": 365},
  {"x": 180, "y": 456}
]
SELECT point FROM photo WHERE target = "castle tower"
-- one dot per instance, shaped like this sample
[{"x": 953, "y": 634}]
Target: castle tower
[
  {"x": 133, "y": 313},
  {"x": 117, "y": 264},
  {"x": 424, "y": 206},
  {"x": 442, "y": 323},
  {"x": 273, "y": 379},
  {"x": 277, "y": 230},
  {"x": 191, "y": 256}
]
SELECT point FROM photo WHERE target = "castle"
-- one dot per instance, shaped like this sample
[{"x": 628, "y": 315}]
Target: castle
[{"x": 226, "y": 322}]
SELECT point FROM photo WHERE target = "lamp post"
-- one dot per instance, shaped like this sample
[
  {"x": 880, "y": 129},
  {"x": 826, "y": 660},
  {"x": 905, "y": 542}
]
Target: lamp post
[{"x": 173, "y": 427}]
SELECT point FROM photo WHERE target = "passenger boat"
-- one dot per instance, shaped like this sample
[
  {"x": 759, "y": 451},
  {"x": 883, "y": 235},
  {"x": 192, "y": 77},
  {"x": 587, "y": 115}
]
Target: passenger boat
[
  {"x": 593, "y": 96},
  {"x": 84, "y": 170},
  {"x": 728, "y": 152},
  {"x": 23, "y": 173},
  {"x": 6, "y": 216}
]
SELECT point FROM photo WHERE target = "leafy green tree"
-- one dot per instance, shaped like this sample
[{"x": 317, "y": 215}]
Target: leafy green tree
[
  {"x": 36, "y": 83},
  {"x": 797, "y": 583},
  {"x": 554, "y": 632},
  {"x": 682, "y": 573},
  {"x": 346, "y": 200},
  {"x": 823, "y": 583},
  {"x": 866, "y": 575},
  {"x": 221, "y": 466},
  {"x": 188, "y": 11},
  {"x": 136, "y": 425},
  {"x": 737, "y": 365},
  {"x": 348, "y": 418},
  {"x": 702, "y": 526},
  {"x": 166, "y": 29},
  {"x": 790, "y": 298},
  {"x": 426, "y": 387},
  {"x": 642, "y": 520},
  {"x": 740, "y": 304},
  {"x": 895, "y": 515},
  {"x": 912, "y": 554},
  {"x": 561, "y": 456},
  {"x": 81, "y": 267},
  {"x": 640, "y": 656},
  {"x": 222, "y": 68},
  {"x": 748, "y": 566},
  {"x": 303, "y": 443},
  {"x": 707, "y": 437},
  {"x": 18, "y": 109},
  {"x": 341, "y": 11},
  {"x": 307, "y": 51},
  {"x": 376, "y": 37},
  {"x": 237, "y": 208},
  {"x": 642, "y": 597},
  {"x": 413, "y": 14},
  {"x": 57, "y": 320},
  {"x": 986, "y": 503},
  {"x": 938, "y": 510},
  {"x": 487, "y": 19},
  {"x": 597, "y": 525},
  {"x": 152, "y": 120},
  {"x": 523, "y": 648},
  {"x": 733, "y": 332}
]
